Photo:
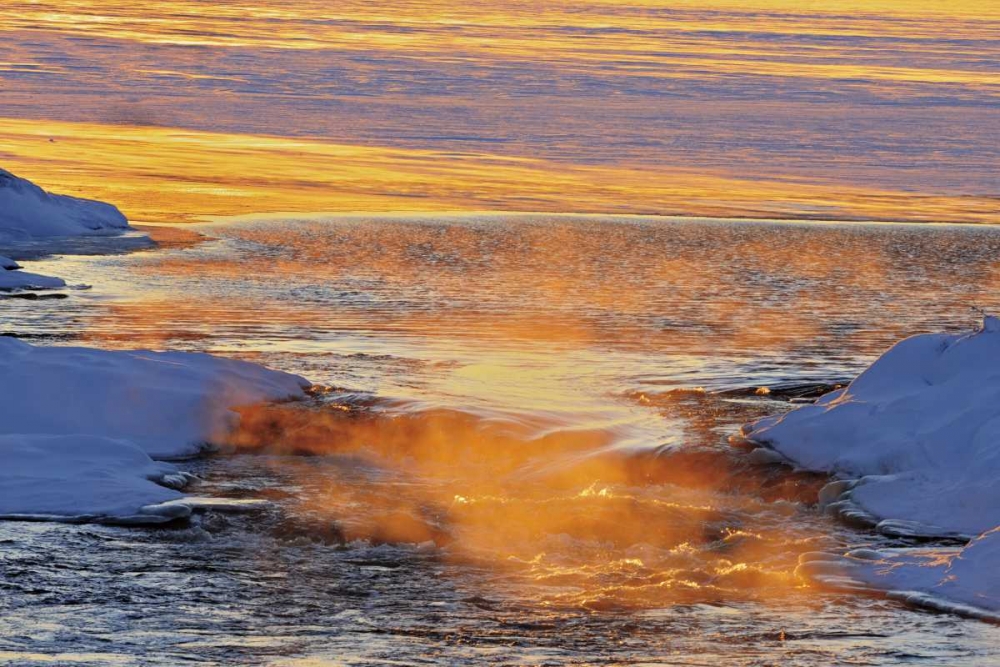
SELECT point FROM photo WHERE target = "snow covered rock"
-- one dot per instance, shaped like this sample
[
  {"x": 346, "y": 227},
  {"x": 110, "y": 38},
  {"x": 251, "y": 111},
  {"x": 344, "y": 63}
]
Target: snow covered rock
[
  {"x": 29, "y": 212},
  {"x": 80, "y": 478},
  {"x": 920, "y": 429},
  {"x": 169, "y": 404},
  {"x": 915, "y": 440}
]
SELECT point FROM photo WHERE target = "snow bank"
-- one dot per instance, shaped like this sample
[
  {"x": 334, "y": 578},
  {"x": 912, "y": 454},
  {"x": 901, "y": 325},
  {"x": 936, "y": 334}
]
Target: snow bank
[
  {"x": 960, "y": 581},
  {"x": 79, "y": 427},
  {"x": 170, "y": 404},
  {"x": 915, "y": 440},
  {"x": 28, "y": 212},
  {"x": 80, "y": 478},
  {"x": 919, "y": 429},
  {"x": 15, "y": 279}
]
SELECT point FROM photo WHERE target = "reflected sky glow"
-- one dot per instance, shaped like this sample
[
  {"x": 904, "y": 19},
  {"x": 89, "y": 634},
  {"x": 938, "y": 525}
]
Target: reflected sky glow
[
  {"x": 884, "y": 109},
  {"x": 544, "y": 397}
]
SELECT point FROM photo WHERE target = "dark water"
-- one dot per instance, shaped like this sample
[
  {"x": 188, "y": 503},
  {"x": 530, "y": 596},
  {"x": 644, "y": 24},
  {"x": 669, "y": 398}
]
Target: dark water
[{"x": 522, "y": 458}]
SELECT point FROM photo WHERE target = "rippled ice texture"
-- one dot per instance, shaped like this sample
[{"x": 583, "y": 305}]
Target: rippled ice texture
[{"x": 523, "y": 459}]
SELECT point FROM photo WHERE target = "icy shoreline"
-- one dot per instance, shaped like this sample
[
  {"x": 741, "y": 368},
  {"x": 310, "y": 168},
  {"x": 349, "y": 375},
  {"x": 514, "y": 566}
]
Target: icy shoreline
[
  {"x": 914, "y": 442},
  {"x": 30, "y": 215},
  {"x": 83, "y": 428},
  {"x": 80, "y": 428},
  {"x": 29, "y": 212}
]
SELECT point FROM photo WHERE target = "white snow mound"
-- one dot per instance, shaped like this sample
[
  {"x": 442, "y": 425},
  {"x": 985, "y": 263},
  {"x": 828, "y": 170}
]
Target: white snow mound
[
  {"x": 169, "y": 404},
  {"x": 29, "y": 212},
  {"x": 18, "y": 280},
  {"x": 79, "y": 478},
  {"x": 920, "y": 428},
  {"x": 919, "y": 433}
]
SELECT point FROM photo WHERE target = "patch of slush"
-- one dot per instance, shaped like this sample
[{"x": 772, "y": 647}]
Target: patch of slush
[
  {"x": 954, "y": 580},
  {"x": 15, "y": 279},
  {"x": 36, "y": 223}
]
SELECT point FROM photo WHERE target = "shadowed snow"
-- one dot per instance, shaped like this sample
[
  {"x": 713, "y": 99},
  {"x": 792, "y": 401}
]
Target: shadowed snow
[
  {"x": 79, "y": 426},
  {"x": 918, "y": 435},
  {"x": 168, "y": 403},
  {"x": 78, "y": 477},
  {"x": 27, "y": 211}
]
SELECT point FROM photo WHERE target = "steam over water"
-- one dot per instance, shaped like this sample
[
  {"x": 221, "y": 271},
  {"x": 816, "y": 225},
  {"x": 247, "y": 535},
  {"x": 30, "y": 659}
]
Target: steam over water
[{"x": 518, "y": 455}]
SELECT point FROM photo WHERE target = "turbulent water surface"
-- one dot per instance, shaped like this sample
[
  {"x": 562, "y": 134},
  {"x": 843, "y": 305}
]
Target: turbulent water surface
[{"x": 518, "y": 454}]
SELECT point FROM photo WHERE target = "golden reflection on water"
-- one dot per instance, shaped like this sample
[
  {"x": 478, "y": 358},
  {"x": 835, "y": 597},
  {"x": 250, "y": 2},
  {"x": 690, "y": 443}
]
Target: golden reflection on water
[
  {"x": 532, "y": 430},
  {"x": 840, "y": 109},
  {"x": 173, "y": 175},
  {"x": 514, "y": 459},
  {"x": 309, "y": 24},
  {"x": 556, "y": 514},
  {"x": 535, "y": 286},
  {"x": 515, "y": 450}
]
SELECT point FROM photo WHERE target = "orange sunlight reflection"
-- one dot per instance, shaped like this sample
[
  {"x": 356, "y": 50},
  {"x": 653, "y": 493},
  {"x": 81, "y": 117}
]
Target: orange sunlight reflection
[
  {"x": 535, "y": 417},
  {"x": 552, "y": 283},
  {"x": 556, "y": 512},
  {"x": 172, "y": 175}
]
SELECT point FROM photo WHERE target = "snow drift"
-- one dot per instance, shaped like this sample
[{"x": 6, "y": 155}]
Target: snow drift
[
  {"x": 79, "y": 428},
  {"x": 80, "y": 478},
  {"x": 170, "y": 404},
  {"x": 15, "y": 279},
  {"x": 919, "y": 430},
  {"x": 916, "y": 440},
  {"x": 29, "y": 212},
  {"x": 960, "y": 581}
]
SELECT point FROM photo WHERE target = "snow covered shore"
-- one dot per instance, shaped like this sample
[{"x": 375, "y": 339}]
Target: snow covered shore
[
  {"x": 915, "y": 443},
  {"x": 80, "y": 428},
  {"x": 28, "y": 211},
  {"x": 29, "y": 214}
]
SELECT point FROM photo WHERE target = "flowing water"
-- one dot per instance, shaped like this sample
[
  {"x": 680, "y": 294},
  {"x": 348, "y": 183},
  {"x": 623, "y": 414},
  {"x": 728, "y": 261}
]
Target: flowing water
[{"x": 518, "y": 451}]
